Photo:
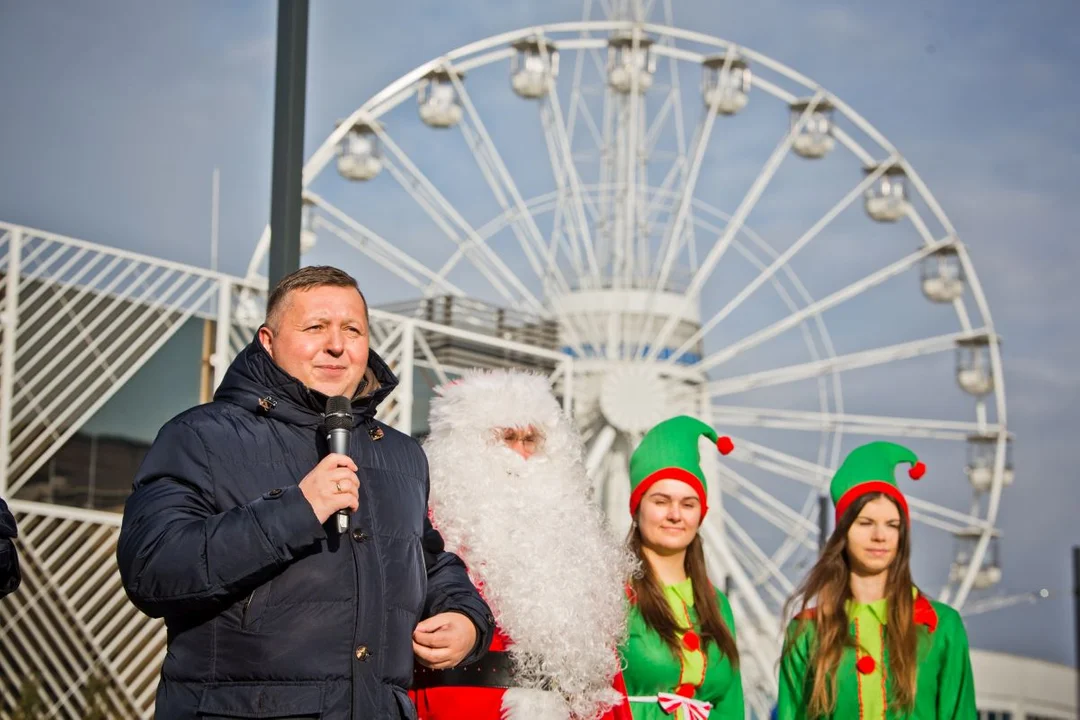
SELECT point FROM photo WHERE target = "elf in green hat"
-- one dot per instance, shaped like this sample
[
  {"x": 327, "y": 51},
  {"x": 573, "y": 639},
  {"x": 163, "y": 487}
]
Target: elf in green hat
[
  {"x": 680, "y": 661},
  {"x": 866, "y": 643}
]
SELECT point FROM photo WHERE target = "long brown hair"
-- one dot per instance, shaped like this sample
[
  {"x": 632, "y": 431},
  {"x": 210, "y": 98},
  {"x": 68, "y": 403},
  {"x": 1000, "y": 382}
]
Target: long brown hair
[
  {"x": 648, "y": 595},
  {"x": 828, "y": 587}
]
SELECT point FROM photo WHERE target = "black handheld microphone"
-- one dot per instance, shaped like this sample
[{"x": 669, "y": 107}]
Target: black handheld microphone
[{"x": 338, "y": 421}]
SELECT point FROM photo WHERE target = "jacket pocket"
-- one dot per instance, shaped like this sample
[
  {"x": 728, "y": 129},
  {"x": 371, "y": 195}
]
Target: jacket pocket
[
  {"x": 254, "y": 607},
  {"x": 405, "y": 705},
  {"x": 261, "y": 700}
]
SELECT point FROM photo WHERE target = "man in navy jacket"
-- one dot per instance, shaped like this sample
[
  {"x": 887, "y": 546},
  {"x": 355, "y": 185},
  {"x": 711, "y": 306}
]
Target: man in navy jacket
[
  {"x": 230, "y": 535},
  {"x": 9, "y": 560}
]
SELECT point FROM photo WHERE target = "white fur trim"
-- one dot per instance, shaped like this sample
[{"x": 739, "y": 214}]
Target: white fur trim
[
  {"x": 529, "y": 704},
  {"x": 550, "y": 569}
]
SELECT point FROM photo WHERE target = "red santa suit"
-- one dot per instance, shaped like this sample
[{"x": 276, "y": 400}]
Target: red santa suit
[{"x": 539, "y": 551}]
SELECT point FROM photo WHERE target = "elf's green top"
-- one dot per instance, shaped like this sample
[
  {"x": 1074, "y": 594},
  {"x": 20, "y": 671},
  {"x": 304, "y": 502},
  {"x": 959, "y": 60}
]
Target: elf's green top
[
  {"x": 870, "y": 468},
  {"x": 669, "y": 451},
  {"x": 944, "y": 689},
  {"x": 701, "y": 673}
]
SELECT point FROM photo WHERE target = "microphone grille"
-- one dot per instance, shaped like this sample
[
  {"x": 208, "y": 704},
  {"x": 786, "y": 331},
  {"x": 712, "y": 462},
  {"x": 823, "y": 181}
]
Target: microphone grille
[{"x": 338, "y": 414}]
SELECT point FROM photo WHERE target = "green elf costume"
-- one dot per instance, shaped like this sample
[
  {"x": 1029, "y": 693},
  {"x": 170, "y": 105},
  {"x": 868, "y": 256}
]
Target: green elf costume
[
  {"x": 944, "y": 689},
  {"x": 700, "y": 682}
]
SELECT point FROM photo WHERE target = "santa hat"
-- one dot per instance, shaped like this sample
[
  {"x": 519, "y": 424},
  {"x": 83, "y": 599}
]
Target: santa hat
[
  {"x": 486, "y": 399},
  {"x": 871, "y": 468},
  {"x": 670, "y": 452}
]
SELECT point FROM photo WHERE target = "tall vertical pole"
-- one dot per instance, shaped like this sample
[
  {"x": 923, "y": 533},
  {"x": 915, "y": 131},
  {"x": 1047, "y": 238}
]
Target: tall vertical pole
[
  {"x": 290, "y": 84},
  {"x": 1076, "y": 617},
  {"x": 823, "y": 522},
  {"x": 10, "y": 323}
]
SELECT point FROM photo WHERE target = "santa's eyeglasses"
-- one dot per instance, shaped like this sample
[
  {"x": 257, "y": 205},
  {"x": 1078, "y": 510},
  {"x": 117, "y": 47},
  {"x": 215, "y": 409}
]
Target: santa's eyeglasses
[{"x": 530, "y": 438}]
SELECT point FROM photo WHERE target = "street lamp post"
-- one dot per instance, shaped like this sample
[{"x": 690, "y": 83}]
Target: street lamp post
[{"x": 287, "y": 178}]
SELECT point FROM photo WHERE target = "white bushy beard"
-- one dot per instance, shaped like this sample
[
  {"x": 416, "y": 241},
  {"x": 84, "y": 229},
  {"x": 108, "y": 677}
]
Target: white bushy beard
[{"x": 552, "y": 574}]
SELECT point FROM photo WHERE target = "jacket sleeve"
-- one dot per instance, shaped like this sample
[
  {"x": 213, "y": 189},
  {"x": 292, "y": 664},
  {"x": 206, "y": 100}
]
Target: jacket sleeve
[
  {"x": 9, "y": 558},
  {"x": 732, "y": 705},
  {"x": 450, "y": 590},
  {"x": 956, "y": 687},
  {"x": 791, "y": 700},
  {"x": 178, "y": 554}
]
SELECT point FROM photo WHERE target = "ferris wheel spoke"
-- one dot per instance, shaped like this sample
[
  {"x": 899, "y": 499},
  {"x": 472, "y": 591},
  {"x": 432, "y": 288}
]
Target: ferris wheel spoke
[
  {"x": 673, "y": 234},
  {"x": 379, "y": 249},
  {"x": 749, "y": 201},
  {"x": 591, "y": 124},
  {"x": 676, "y": 94},
  {"x": 720, "y": 555},
  {"x": 815, "y": 309},
  {"x": 840, "y": 363},
  {"x": 752, "y": 562},
  {"x": 456, "y": 228},
  {"x": 526, "y": 240},
  {"x": 567, "y": 172},
  {"x": 465, "y": 247},
  {"x": 761, "y": 558},
  {"x": 759, "y": 648},
  {"x": 579, "y": 106},
  {"x": 761, "y": 502},
  {"x": 848, "y": 423},
  {"x": 502, "y": 184},
  {"x": 371, "y": 253},
  {"x": 601, "y": 444},
  {"x": 656, "y": 127},
  {"x": 782, "y": 261}
]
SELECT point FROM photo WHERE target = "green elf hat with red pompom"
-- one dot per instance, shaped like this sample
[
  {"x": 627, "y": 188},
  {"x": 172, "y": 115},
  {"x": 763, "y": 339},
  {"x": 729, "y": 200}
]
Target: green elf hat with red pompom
[
  {"x": 871, "y": 468},
  {"x": 670, "y": 452}
]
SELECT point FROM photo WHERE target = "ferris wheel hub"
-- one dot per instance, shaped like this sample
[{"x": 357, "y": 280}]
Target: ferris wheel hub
[{"x": 633, "y": 398}]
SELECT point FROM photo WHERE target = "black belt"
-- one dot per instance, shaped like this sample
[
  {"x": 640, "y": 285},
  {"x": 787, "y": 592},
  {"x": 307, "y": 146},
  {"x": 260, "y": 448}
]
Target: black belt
[{"x": 494, "y": 670}]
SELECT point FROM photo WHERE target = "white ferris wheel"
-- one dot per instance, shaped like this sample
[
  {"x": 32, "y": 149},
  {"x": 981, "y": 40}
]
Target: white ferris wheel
[{"x": 703, "y": 230}]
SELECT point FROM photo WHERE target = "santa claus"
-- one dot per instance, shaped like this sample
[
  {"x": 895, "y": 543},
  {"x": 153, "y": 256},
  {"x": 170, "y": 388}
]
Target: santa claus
[{"x": 510, "y": 496}]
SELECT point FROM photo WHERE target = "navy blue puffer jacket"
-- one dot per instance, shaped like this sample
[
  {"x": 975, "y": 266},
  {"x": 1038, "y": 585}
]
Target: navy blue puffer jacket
[{"x": 269, "y": 614}]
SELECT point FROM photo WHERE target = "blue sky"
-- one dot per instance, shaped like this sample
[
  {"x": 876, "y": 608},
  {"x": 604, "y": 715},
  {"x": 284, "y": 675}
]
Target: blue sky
[{"x": 115, "y": 113}]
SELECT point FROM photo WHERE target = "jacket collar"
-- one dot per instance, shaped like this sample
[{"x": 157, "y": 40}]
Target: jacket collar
[
  {"x": 257, "y": 384},
  {"x": 923, "y": 612}
]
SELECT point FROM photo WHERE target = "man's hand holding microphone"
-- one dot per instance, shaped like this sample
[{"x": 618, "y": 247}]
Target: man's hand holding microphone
[{"x": 333, "y": 487}]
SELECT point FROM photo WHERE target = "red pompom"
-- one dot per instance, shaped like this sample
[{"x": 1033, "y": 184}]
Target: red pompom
[
  {"x": 865, "y": 665},
  {"x": 691, "y": 641},
  {"x": 917, "y": 470},
  {"x": 724, "y": 445},
  {"x": 685, "y": 690}
]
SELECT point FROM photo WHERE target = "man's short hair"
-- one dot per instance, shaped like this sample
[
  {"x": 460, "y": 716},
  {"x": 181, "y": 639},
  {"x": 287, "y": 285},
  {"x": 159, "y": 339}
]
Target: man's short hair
[{"x": 307, "y": 278}]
